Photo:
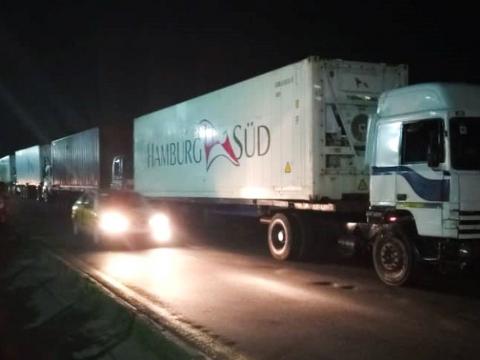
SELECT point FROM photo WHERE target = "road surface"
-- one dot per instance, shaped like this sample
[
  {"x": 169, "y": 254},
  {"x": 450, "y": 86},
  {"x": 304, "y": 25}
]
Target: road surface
[{"x": 224, "y": 285}]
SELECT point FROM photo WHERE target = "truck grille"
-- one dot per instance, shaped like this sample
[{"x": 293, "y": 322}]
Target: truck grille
[{"x": 469, "y": 225}]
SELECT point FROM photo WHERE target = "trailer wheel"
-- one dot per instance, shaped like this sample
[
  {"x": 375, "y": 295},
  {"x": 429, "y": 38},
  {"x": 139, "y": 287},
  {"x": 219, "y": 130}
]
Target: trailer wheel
[
  {"x": 393, "y": 256},
  {"x": 303, "y": 237},
  {"x": 46, "y": 197},
  {"x": 281, "y": 237}
]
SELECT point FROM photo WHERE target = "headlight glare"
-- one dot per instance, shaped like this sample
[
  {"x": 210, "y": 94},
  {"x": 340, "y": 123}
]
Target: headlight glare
[
  {"x": 113, "y": 222},
  {"x": 160, "y": 227}
]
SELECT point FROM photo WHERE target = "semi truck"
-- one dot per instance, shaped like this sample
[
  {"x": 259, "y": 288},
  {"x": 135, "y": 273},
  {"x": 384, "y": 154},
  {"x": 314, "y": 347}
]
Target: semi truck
[
  {"x": 92, "y": 159},
  {"x": 30, "y": 165},
  {"x": 338, "y": 146},
  {"x": 288, "y": 145}
]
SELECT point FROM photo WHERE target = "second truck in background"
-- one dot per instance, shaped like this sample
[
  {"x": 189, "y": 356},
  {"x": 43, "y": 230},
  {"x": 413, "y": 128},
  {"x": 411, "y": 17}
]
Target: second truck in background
[{"x": 92, "y": 159}]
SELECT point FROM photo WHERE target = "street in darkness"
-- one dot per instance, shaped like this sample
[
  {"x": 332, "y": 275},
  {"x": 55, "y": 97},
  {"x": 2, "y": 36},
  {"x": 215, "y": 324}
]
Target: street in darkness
[{"x": 223, "y": 287}]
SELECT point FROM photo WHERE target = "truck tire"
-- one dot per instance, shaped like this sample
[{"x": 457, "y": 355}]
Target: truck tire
[
  {"x": 393, "y": 256},
  {"x": 280, "y": 237},
  {"x": 46, "y": 197},
  {"x": 303, "y": 237}
]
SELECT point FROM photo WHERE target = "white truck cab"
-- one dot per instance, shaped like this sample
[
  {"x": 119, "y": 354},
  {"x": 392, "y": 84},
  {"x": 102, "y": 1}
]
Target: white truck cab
[{"x": 424, "y": 156}]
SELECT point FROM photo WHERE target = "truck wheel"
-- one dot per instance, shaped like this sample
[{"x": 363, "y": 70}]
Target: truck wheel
[
  {"x": 46, "y": 196},
  {"x": 280, "y": 237},
  {"x": 393, "y": 257},
  {"x": 303, "y": 237}
]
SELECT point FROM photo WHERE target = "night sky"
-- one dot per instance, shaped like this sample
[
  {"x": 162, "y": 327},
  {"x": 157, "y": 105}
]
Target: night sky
[{"x": 68, "y": 66}]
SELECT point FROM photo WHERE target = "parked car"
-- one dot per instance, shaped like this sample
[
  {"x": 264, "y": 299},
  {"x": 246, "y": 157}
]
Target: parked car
[{"x": 118, "y": 215}]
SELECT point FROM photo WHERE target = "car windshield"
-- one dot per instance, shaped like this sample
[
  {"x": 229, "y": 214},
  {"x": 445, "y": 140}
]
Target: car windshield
[
  {"x": 122, "y": 199},
  {"x": 465, "y": 147}
]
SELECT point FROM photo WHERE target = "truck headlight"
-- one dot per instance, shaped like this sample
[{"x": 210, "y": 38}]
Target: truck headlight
[
  {"x": 160, "y": 227},
  {"x": 114, "y": 222}
]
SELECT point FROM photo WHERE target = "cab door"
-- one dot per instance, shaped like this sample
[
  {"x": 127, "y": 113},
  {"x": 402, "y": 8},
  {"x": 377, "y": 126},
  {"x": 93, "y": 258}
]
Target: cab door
[
  {"x": 385, "y": 164},
  {"x": 421, "y": 186}
]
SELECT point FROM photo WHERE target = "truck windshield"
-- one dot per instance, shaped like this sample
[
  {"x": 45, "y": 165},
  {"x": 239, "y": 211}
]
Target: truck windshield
[{"x": 465, "y": 147}]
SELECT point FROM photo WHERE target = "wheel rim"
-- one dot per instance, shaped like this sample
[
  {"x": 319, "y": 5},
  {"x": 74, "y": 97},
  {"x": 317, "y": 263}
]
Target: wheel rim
[
  {"x": 393, "y": 259},
  {"x": 279, "y": 237}
]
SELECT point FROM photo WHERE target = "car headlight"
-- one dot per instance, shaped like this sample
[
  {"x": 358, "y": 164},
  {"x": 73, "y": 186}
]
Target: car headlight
[
  {"x": 160, "y": 227},
  {"x": 113, "y": 222}
]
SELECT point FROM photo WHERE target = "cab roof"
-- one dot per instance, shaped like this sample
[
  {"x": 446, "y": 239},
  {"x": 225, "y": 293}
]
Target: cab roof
[{"x": 429, "y": 97}]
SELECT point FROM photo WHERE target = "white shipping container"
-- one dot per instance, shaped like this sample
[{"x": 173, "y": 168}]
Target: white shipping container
[
  {"x": 6, "y": 175},
  {"x": 84, "y": 160},
  {"x": 30, "y": 164},
  {"x": 295, "y": 133}
]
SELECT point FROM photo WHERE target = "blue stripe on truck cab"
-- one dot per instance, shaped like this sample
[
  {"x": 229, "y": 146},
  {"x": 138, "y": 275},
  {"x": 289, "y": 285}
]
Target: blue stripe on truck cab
[{"x": 428, "y": 189}]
